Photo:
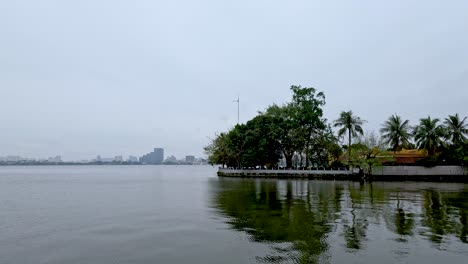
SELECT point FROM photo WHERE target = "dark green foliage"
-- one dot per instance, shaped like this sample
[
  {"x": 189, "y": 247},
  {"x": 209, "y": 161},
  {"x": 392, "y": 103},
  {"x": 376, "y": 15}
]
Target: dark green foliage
[
  {"x": 247, "y": 145},
  {"x": 218, "y": 150},
  {"x": 456, "y": 129},
  {"x": 296, "y": 131},
  {"x": 324, "y": 149},
  {"x": 449, "y": 155},
  {"x": 286, "y": 131},
  {"x": 261, "y": 147},
  {"x": 237, "y": 144},
  {"x": 299, "y": 121},
  {"x": 396, "y": 132},
  {"x": 429, "y": 135},
  {"x": 307, "y": 111}
]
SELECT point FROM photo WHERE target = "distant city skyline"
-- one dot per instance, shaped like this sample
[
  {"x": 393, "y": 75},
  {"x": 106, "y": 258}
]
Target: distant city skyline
[{"x": 98, "y": 157}]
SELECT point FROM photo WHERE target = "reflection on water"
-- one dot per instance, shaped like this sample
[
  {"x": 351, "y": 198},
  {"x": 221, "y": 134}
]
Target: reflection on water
[{"x": 304, "y": 221}]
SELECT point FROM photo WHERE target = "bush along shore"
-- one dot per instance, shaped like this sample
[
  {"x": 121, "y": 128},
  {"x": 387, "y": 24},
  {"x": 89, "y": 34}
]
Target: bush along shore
[{"x": 295, "y": 135}]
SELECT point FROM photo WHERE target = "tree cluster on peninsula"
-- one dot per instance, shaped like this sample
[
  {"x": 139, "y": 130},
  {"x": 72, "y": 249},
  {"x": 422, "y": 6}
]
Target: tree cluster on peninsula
[{"x": 297, "y": 134}]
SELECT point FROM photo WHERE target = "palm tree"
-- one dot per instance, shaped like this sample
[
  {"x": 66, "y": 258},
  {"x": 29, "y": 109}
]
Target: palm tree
[
  {"x": 456, "y": 129},
  {"x": 351, "y": 124},
  {"x": 428, "y": 134},
  {"x": 395, "y": 132}
]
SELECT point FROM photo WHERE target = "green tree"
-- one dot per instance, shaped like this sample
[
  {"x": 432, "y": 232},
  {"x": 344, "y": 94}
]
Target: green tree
[
  {"x": 307, "y": 114},
  {"x": 228, "y": 149},
  {"x": 324, "y": 149},
  {"x": 237, "y": 144},
  {"x": 286, "y": 130},
  {"x": 262, "y": 147},
  {"x": 455, "y": 154},
  {"x": 456, "y": 129},
  {"x": 428, "y": 135},
  {"x": 218, "y": 150},
  {"x": 365, "y": 152},
  {"x": 351, "y": 124},
  {"x": 298, "y": 121},
  {"x": 396, "y": 132}
]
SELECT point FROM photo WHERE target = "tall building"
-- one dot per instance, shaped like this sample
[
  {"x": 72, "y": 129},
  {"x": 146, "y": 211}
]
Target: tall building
[
  {"x": 171, "y": 159},
  {"x": 190, "y": 159},
  {"x": 132, "y": 159},
  {"x": 155, "y": 157},
  {"x": 159, "y": 155}
]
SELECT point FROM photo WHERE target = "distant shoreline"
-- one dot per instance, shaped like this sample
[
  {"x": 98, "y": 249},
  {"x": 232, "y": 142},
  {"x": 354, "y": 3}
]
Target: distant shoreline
[{"x": 95, "y": 164}]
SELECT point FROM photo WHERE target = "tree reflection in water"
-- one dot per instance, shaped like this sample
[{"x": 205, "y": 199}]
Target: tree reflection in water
[{"x": 297, "y": 217}]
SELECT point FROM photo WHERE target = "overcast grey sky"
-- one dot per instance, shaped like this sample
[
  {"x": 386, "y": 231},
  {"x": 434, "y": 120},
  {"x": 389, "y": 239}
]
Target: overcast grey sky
[{"x": 108, "y": 77}]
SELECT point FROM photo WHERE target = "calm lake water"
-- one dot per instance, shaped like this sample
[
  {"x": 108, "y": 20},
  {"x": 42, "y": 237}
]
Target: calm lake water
[{"x": 185, "y": 214}]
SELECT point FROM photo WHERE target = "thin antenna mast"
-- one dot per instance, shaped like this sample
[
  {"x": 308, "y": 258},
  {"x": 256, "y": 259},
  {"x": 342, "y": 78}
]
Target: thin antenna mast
[{"x": 237, "y": 101}]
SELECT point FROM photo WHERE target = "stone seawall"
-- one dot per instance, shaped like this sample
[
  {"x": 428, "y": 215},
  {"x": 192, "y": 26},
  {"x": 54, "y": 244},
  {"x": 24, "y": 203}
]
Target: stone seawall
[
  {"x": 419, "y": 170},
  {"x": 304, "y": 174},
  {"x": 385, "y": 173},
  {"x": 420, "y": 173}
]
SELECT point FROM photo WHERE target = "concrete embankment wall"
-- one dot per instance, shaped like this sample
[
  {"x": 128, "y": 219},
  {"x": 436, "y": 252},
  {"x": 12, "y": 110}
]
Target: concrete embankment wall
[
  {"x": 305, "y": 174},
  {"x": 437, "y": 173},
  {"x": 385, "y": 173},
  {"x": 419, "y": 170}
]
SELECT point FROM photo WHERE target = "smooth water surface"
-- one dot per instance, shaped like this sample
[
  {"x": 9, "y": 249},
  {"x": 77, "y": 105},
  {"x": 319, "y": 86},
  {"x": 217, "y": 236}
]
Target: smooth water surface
[{"x": 185, "y": 214}]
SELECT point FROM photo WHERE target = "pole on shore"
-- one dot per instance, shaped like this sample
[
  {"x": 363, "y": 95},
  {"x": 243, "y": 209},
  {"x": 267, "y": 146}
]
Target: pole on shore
[{"x": 237, "y": 101}]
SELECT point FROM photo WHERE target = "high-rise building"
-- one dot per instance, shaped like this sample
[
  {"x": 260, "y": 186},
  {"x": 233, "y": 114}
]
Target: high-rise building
[
  {"x": 171, "y": 159},
  {"x": 159, "y": 155},
  {"x": 190, "y": 159},
  {"x": 132, "y": 159},
  {"x": 155, "y": 157}
]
